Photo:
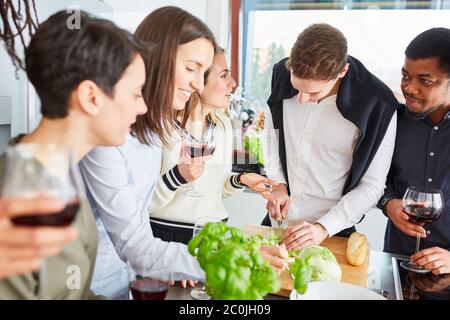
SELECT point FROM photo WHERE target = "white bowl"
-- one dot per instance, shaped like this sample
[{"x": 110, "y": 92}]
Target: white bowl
[{"x": 325, "y": 290}]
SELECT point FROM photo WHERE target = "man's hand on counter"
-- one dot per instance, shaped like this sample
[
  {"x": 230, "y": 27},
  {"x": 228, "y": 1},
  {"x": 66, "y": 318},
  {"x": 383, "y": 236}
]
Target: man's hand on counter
[
  {"x": 435, "y": 259},
  {"x": 304, "y": 234}
]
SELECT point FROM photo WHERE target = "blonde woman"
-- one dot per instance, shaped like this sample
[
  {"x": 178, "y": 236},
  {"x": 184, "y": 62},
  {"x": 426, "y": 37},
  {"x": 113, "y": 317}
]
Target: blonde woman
[{"x": 172, "y": 212}]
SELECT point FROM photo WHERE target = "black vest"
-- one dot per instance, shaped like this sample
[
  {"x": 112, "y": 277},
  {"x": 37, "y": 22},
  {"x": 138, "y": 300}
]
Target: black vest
[{"x": 362, "y": 99}]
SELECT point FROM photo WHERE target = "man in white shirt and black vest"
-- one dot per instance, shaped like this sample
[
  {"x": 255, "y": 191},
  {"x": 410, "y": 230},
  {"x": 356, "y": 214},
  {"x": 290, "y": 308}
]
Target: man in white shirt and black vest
[{"x": 335, "y": 124}]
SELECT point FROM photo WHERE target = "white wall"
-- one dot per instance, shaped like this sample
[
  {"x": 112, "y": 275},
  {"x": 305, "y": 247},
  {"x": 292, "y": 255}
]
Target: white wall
[
  {"x": 215, "y": 13},
  {"x": 14, "y": 89},
  {"x": 128, "y": 14}
]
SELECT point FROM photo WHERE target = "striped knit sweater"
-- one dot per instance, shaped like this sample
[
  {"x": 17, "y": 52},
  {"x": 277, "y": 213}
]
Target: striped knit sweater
[{"x": 216, "y": 182}]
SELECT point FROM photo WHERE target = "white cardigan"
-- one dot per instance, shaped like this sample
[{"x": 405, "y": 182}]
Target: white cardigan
[{"x": 216, "y": 182}]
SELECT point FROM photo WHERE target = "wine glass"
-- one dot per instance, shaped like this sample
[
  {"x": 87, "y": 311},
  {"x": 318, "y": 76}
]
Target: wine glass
[
  {"x": 200, "y": 222},
  {"x": 423, "y": 207},
  {"x": 198, "y": 148},
  {"x": 42, "y": 170},
  {"x": 148, "y": 276}
]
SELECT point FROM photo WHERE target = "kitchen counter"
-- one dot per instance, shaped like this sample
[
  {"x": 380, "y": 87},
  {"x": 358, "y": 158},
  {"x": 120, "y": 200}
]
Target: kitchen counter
[{"x": 380, "y": 279}]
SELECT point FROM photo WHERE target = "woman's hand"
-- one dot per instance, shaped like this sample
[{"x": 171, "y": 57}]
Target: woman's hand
[
  {"x": 259, "y": 184},
  {"x": 183, "y": 283},
  {"x": 277, "y": 256},
  {"x": 191, "y": 168}
]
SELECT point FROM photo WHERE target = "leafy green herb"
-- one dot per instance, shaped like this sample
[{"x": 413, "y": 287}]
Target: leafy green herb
[{"x": 234, "y": 267}]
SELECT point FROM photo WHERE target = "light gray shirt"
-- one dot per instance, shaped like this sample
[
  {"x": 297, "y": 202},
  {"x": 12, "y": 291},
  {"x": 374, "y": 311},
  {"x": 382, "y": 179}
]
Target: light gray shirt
[{"x": 120, "y": 182}]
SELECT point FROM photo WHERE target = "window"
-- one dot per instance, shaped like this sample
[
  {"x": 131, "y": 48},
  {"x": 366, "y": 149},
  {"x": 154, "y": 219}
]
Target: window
[{"x": 377, "y": 33}]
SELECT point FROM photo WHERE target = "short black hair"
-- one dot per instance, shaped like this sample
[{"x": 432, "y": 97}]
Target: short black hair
[
  {"x": 59, "y": 58},
  {"x": 433, "y": 43}
]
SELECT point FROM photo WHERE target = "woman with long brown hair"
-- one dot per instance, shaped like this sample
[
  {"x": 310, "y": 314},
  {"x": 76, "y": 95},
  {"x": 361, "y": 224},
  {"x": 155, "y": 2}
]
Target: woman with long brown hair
[
  {"x": 121, "y": 180},
  {"x": 173, "y": 212}
]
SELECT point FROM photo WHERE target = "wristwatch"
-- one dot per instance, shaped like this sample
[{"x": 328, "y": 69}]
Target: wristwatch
[{"x": 383, "y": 203}]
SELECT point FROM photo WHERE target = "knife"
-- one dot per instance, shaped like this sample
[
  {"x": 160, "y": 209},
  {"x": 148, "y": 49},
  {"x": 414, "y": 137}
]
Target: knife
[{"x": 280, "y": 223}]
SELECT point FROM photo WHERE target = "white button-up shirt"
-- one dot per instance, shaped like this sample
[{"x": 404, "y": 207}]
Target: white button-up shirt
[{"x": 319, "y": 153}]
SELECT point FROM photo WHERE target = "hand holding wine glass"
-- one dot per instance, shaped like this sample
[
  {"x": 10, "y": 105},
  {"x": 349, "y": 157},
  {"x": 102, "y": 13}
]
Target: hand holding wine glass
[
  {"x": 394, "y": 210},
  {"x": 34, "y": 171},
  {"x": 16, "y": 254},
  {"x": 423, "y": 207},
  {"x": 196, "y": 152}
]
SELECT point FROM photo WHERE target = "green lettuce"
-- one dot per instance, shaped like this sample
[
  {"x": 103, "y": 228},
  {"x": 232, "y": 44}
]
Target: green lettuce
[{"x": 314, "y": 263}]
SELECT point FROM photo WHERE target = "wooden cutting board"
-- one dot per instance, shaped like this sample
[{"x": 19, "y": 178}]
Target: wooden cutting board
[{"x": 350, "y": 274}]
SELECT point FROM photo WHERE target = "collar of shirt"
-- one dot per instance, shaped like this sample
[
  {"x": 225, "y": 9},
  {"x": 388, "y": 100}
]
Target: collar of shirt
[
  {"x": 447, "y": 116},
  {"x": 328, "y": 100}
]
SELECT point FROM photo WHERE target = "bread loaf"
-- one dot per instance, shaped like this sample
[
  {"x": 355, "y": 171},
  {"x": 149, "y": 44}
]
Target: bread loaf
[{"x": 357, "y": 249}]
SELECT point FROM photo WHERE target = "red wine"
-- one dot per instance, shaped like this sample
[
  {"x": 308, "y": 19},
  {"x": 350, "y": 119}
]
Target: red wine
[
  {"x": 419, "y": 214},
  {"x": 148, "y": 289},
  {"x": 59, "y": 219},
  {"x": 199, "y": 151}
]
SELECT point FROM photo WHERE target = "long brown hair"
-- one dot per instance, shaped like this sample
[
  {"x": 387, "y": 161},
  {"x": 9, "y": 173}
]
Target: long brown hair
[{"x": 167, "y": 27}]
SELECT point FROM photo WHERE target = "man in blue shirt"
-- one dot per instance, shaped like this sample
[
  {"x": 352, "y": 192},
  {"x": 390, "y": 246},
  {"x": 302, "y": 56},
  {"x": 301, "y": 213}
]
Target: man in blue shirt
[{"x": 422, "y": 151}]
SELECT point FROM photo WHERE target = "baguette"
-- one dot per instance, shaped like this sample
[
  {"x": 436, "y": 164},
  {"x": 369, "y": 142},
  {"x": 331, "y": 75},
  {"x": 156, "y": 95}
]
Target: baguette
[{"x": 357, "y": 249}]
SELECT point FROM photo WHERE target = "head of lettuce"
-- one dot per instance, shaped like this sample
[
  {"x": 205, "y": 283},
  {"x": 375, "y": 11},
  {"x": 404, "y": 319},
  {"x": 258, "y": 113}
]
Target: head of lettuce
[{"x": 314, "y": 263}]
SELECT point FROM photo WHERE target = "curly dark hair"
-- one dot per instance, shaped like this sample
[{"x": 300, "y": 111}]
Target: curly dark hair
[{"x": 433, "y": 43}]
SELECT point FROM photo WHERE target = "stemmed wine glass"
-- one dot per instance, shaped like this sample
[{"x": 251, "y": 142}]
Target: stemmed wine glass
[
  {"x": 200, "y": 222},
  {"x": 42, "y": 170},
  {"x": 423, "y": 207},
  {"x": 197, "y": 148}
]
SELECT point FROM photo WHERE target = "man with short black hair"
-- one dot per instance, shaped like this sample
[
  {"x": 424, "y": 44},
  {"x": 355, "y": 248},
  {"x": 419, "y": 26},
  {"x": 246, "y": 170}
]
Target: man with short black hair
[
  {"x": 422, "y": 151},
  {"x": 336, "y": 123}
]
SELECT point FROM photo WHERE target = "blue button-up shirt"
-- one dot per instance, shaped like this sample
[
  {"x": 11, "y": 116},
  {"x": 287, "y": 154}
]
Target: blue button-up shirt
[
  {"x": 421, "y": 158},
  {"x": 120, "y": 183}
]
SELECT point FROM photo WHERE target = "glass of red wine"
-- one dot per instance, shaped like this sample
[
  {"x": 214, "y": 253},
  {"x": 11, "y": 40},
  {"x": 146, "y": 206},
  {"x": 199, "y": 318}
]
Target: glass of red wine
[
  {"x": 195, "y": 148},
  {"x": 42, "y": 170},
  {"x": 422, "y": 206},
  {"x": 149, "y": 276}
]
